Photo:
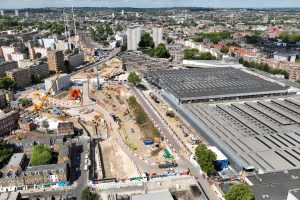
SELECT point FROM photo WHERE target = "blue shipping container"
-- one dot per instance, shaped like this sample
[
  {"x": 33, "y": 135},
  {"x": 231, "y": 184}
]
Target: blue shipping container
[
  {"x": 220, "y": 164},
  {"x": 148, "y": 142}
]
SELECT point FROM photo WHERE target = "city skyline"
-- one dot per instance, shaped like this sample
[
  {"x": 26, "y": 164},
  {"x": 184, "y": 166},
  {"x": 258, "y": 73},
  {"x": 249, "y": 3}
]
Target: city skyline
[{"x": 16, "y": 4}]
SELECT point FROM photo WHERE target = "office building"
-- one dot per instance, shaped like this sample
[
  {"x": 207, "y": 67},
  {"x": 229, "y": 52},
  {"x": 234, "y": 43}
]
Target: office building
[
  {"x": 8, "y": 65},
  {"x": 20, "y": 76},
  {"x": 62, "y": 82},
  {"x": 55, "y": 60},
  {"x": 122, "y": 12},
  {"x": 16, "y": 13},
  {"x": 76, "y": 59},
  {"x": 5, "y": 97},
  {"x": 2, "y": 12},
  {"x": 157, "y": 35},
  {"x": 8, "y": 122},
  {"x": 133, "y": 37}
]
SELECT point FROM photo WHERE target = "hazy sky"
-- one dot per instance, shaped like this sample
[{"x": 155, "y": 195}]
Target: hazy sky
[{"x": 148, "y": 3}]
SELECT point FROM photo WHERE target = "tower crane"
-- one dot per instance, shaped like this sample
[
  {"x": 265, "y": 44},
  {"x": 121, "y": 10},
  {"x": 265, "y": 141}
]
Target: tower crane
[{"x": 39, "y": 106}]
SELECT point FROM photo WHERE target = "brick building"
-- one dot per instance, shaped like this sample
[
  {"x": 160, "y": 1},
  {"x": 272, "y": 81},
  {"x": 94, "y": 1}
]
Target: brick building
[
  {"x": 8, "y": 122},
  {"x": 55, "y": 60},
  {"x": 20, "y": 76}
]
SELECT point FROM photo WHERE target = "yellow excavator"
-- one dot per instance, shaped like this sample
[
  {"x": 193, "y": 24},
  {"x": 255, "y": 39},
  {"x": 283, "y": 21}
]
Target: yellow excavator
[{"x": 39, "y": 106}]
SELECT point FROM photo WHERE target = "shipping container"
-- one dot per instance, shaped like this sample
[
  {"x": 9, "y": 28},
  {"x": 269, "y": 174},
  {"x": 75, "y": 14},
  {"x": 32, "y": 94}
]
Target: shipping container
[{"x": 148, "y": 142}]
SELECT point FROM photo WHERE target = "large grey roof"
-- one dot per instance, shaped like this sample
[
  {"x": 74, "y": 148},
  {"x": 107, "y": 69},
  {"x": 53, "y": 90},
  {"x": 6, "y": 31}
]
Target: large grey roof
[
  {"x": 16, "y": 159},
  {"x": 153, "y": 196},
  {"x": 275, "y": 185},
  {"x": 205, "y": 83}
]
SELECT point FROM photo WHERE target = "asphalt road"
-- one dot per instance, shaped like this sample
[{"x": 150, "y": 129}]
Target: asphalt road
[{"x": 183, "y": 160}]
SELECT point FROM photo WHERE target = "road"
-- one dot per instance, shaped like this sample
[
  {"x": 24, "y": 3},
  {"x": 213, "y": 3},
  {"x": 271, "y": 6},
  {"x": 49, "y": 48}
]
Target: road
[{"x": 183, "y": 160}]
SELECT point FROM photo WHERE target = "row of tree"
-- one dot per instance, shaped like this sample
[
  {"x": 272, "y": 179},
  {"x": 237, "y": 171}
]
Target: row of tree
[
  {"x": 214, "y": 37},
  {"x": 148, "y": 47},
  {"x": 193, "y": 54},
  {"x": 264, "y": 67}
]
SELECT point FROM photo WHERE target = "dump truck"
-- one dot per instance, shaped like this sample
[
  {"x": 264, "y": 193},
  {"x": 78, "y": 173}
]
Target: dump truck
[{"x": 167, "y": 164}]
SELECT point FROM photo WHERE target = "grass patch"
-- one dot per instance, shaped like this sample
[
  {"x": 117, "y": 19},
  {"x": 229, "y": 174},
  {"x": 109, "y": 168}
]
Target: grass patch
[{"x": 142, "y": 119}]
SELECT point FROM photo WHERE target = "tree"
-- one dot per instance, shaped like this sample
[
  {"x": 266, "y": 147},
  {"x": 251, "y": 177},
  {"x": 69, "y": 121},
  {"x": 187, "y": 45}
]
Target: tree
[
  {"x": 6, "y": 151},
  {"x": 124, "y": 47},
  {"x": 205, "y": 159},
  {"x": 252, "y": 39},
  {"x": 146, "y": 41},
  {"x": 67, "y": 67},
  {"x": 119, "y": 28},
  {"x": 41, "y": 155},
  {"x": 161, "y": 51},
  {"x": 36, "y": 78},
  {"x": 156, "y": 132},
  {"x": 67, "y": 51},
  {"x": 206, "y": 56},
  {"x": 45, "y": 125},
  {"x": 25, "y": 102},
  {"x": 169, "y": 40},
  {"x": 224, "y": 49},
  {"x": 190, "y": 54},
  {"x": 239, "y": 192},
  {"x": 86, "y": 194},
  {"x": 7, "y": 83},
  {"x": 38, "y": 55},
  {"x": 134, "y": 78}
]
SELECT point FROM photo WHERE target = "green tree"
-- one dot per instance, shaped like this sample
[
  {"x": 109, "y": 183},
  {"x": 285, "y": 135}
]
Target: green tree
[
  {"x": 7, "y": 83},
  {"x": 134, "y": 78},
  {"x": 41, "y": 155},
  {"x": 146, "y": 41},
  {"x": 86, "y": 194},
  {"x": 239, "y": 192},
  {"x": 36, "y": 78},
  {"x": 224, "y": 49},
  {"x": 119, "y": 28},
  {"x": 45, "y": 125},
  {"x": 252, "y": 39},
  {"x": 124, "y": 47},
  {"x": 205, "y": 159},
  {"x": 6, "y": 151},
  {"x": 38, "y": 55},
  {"x": 161, "y": 51},
  {"x": 191, "y": 54},
  {"x": 132, "y": 101},
  {"x": 206, "y": 56},
  {"x": 156, "y": 132},
  {"x": 67, "y": 51},
  {"x": 169, "y": 40},
  {"x": 25, "y": 102}
]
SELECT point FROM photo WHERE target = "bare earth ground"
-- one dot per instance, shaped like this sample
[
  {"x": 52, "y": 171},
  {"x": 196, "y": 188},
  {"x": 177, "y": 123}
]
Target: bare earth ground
[{"x": 116, "y": 163}]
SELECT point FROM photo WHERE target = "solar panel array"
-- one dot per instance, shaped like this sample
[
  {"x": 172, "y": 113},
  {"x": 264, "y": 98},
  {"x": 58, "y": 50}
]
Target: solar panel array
[
  {"x": 206, "y": 83},
  {"x": 264, "y": 133}
]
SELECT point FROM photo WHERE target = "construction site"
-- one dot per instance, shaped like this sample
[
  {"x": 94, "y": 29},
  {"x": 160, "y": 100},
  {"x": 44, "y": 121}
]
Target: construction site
[{"x": 100, "y": 106}]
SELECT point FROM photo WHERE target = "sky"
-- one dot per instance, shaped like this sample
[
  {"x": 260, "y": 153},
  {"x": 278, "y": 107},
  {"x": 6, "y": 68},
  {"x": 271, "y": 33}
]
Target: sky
[{"x": 150, "y": 3}]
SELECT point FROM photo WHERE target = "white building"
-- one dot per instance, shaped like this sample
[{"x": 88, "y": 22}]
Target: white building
[
  {"x": 2, "y": 12},
  {"x": 76, "y": 59},
  {"x": 62, "y": 82},
  {"x": 133, "y": 37},
  {"x": 122, "y": 12},
  {"x": 120, "y": 37},
  {"x": 18, "y": 56},
  {"x": 17, "y": 13},
  {"x": 157, "y": 35}
]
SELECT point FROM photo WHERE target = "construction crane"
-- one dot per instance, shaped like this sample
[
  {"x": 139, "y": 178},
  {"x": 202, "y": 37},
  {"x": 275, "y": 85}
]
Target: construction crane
[{"x": 38, "y": 107}]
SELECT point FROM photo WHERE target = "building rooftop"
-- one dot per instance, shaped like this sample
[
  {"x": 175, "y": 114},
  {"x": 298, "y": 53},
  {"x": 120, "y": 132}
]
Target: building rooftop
[
  {"x": 275, "y": 185},
  {"x": 16, "y": 159},
  {"x": 295, "y": 193},
  {"x": 43, "y": 168},
  {"x": 165, "y": 195},
  {"x": 210, "y": 83},
  {"x": 254, "y": 134}
]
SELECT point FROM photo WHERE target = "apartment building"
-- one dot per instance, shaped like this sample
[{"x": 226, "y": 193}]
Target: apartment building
[
  {"x": 55, "y": 60},
  {"x": 8, "y": 122},
  {"x": 133, "y": 37},
  {"x": 20, "y": 76},
  {"x": 62, "y": 82},
  {"x": 76, "y": 59},
  {"x": 157, "y": 35},
  {"x": 6, "y": 66},
  {"x": 65, "y": 128}
]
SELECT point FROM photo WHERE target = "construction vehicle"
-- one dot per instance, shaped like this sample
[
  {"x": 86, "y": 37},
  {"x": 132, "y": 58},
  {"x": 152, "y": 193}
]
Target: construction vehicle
[
  {"x": 18, "y": 136},
  {"x": 167, "y": 164},
  {"x": 126, "y": 112},
  {"x": 39, "y": 106},
  {"x": 170, "y": 113},
  {"x": 167, "y": 154}
]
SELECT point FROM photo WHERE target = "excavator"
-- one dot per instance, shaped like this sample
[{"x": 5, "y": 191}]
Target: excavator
[{"x": 39, "y": 106}]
